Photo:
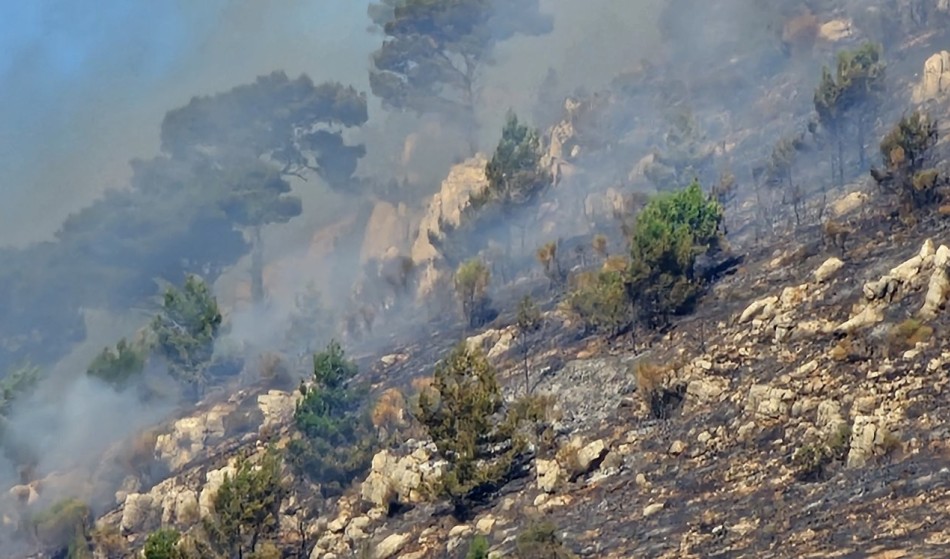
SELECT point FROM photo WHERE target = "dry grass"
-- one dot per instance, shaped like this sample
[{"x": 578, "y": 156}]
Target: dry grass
[
  {"x": 389, "y": 413},
  {"x": 908, "y": 334}
]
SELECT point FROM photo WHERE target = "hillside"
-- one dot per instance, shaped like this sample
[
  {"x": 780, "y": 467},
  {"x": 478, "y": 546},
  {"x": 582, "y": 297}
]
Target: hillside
[{"x": 753, "y": 365}]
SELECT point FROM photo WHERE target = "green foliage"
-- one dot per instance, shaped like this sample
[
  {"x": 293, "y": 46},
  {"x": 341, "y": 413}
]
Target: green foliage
[
  {"x": 62, "y": 525},
  {"x": 247, "y": 507},
  {"x": 163, "y": 544},
  {"x": 601, "y": 302},
  {"x": 855, "y": 87},
  {"x": 471, "y": 285},
  {"x": 540, "y": 541},
  {"x": 671, "y": 231},
  {"x": 478, "y": 549},
  {"x": 290, "y": 121},
  {"x": 811, "y": 461},
  {"x": 118, "y": 366},
  {"x": 18, "y": 383},
  {"x": 432, "y": 51},
  {"x": 462, "y": 413},
  {"x": 515, "y": 175},
  {"x": 905, "y": 152},
  {"x": 335, "y": 443},
  {"x": 186, "y": 328}
]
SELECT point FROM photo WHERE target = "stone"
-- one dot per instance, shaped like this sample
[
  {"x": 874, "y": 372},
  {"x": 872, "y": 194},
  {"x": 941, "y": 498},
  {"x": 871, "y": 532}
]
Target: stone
[
  {"x": 387, "y": 231},
  {"x": 828, "y": 269},
  {"x": 836, "y": 30},
  {"x": 445, "y": 208},
  {"x": 139, "y": 514},
  {"x": 213, "y": 481},
  {"x": 390, "y": 546},
  {"x": 590, "y": 456},
  {"x": 356, "y": 528},
  {"x": 935, "y": 82},
  {"x": 939, "y": 287},
  {"x": 339, "y": 523},
  {"x": 485, "y": 524},
  {"x": 763, "y": 309},
  {"x": 652, "y": 509},
  {"x": 549, "y": 474},
  {"x": 677, "y": 448},
  {"x": 706, "y": 389},
  {"x": 278, "y": 407}
]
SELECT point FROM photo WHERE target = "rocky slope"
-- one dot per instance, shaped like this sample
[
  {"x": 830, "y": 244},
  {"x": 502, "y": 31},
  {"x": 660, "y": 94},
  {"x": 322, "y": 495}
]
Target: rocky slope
[
  {"x": 798, "y": 351},
  {"x": 804, "y": 411}
]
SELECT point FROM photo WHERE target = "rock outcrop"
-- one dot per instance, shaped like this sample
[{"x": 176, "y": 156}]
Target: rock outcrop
[
  {"x": 445, "y": 208},
  {"x": 935, "y": 82}
]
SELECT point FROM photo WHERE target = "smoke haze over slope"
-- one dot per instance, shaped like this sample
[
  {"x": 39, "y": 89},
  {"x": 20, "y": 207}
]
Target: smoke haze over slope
[{"x": 85, "y": 86}]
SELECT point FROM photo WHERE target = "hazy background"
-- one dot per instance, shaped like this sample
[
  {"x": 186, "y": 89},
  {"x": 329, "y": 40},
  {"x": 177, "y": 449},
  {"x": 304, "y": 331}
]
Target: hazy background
[{"x": 84, "y": 85}]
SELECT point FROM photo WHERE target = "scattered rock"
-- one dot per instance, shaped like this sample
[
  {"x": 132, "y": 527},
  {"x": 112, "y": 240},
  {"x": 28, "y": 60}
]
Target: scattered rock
[
  {"x": 650, "y": 510},
  {"x": 549, "y": 474},
  {"x": 390, "y": 546},
  {"x": 828, "y": 269},
  {"x": 677, "y": 448}
]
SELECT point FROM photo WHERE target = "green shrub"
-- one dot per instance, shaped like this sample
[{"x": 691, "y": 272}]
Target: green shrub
[
  {"x": 463, "y": 414},
  {"x": 163, "y": 544},
  {"x": 335, "y": 446},
  {"x": 601, "y": 302},
  {"x": 671, "y": 231},
  {"x": 186, "y": 328},
  {"x": 906, "y": 153},
  {"x": 812, "y": 460},
  {"x": 59, "y": 526},
  {"x": 117, "y": 367},
  {"x": 247, "y": 507},
  {"x": 478, "y": 549},
  {"x": 471, "y": 287},
  {"x": 540, "y": 541}
]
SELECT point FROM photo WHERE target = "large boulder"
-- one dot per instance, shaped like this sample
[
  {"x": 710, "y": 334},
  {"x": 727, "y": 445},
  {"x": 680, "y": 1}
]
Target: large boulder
[{"x": 935, "y": 82}]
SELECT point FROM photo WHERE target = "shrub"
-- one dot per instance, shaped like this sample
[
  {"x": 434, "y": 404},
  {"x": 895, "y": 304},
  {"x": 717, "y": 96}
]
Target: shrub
[
  {"x": 335, "y": 443},
  {"x": 163, "y": 544},
  {"x": 116, "y": 367},
  {"x": 463, "y": 415},
  {"x": 905, "y": 154},
  {"x": 601, "y": 302},
  {"x": 907, "y": 335},
  {"x": 812, "y": 460},
  {"x": 389, "y": 412},
  {"x": 478, "y": 549},
  {"x": 186, "y": 329},
  {"x": 110, "y": 543},
  {"x": 471, "y": 286},
  {"x": 540, "y": 541},
  {"x": 671, "y": 231},
  {"x": 247, "y": 507},
  {"x": 59, "y": 526}
]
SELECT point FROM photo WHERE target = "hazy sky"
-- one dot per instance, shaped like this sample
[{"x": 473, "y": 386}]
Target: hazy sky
[{"x": 84, "y": 84}]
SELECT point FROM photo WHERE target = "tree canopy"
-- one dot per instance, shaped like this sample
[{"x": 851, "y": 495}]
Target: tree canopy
[
  {"x": 292, "y": 122},
  {"x": 671, "y": 231},
  {"x": 186, "y": 328},
  {"x": 433, "y": 51}
]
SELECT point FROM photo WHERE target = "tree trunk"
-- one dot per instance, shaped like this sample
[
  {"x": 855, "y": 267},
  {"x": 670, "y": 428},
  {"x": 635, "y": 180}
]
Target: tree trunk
[
  {"x": 840, "y": 157},
  {"x": 257, "y": 266},
  {"x": 524, "y": 351}
]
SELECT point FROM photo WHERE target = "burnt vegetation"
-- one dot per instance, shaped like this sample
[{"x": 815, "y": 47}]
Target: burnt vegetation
[{"x": 620, "y": 239}]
